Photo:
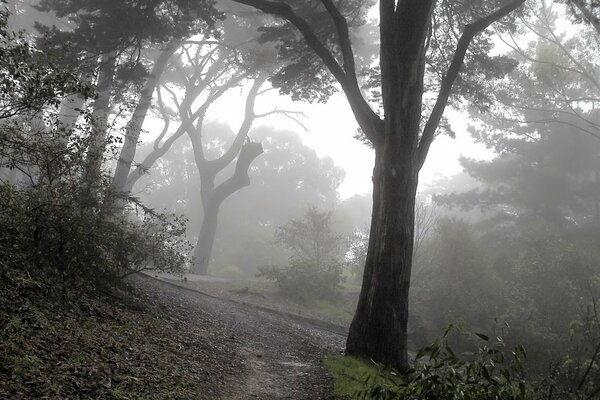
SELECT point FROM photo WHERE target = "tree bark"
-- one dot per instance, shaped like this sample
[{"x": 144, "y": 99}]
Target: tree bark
[
  {"x": 134, "y": 126},
  {"x": 98, "y": 138},
  {"x": 213, "y": 197},
  {"x": 379, "y": 327},
  {"x": 206, "y": 239}
]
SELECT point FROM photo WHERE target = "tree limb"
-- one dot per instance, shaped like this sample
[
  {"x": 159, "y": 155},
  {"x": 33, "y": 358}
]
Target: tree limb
[
  {"x": 367, "y": 119},
  {"x": 467, "y": 36}
]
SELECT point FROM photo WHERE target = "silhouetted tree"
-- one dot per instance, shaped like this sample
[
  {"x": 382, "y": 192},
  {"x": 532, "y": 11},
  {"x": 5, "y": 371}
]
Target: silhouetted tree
[{"x": 401, "y": 137}]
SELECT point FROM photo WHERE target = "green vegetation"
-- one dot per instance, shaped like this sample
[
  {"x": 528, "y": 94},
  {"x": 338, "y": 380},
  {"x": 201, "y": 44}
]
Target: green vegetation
[
  {"x": 316, "y": 265},
  {"x": 488, "y": 372},
  {"x": 351, "y": 374}
]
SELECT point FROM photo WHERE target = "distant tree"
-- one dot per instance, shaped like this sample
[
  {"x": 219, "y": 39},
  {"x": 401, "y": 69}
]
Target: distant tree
[
  {"x": 555, "y": 81},
  {"x": 315, "y": 266},
  {"x": 413, "y": 33},
  {"x": 286, "y": 177},
  {"x": 547, "y": 167}
]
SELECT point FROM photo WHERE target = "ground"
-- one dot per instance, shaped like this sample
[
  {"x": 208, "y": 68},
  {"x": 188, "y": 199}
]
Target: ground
[
  {"x": 158, "y": 341},
  {"x": 280, "y": 357}
]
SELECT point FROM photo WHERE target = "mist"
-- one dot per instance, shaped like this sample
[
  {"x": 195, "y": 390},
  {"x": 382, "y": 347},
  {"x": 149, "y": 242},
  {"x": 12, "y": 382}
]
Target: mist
[{"x": 303, "y": 200}]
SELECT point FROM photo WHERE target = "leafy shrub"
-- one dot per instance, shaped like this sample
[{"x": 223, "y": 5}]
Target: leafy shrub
[
  {"x": 439, "y": 373},
  {"x": 316, "y": 265},
  {"x": 46, "y": 226},
  {"x": 50, "y": 218},
  {"x": 301, "y": 279}
]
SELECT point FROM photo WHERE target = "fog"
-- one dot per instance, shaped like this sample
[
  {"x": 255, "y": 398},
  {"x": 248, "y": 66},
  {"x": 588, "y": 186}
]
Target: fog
[{"x": 213, "y": 149}]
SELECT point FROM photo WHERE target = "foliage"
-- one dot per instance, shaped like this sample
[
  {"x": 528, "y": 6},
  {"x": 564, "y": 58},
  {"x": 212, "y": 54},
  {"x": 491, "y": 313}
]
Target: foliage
[
  {"x": 453, "y": 280},
  {"x": 575, "y": 375},
  {"x": 29, "y": 78},
  {"x": 303, "y": 75},
  {"x": 315, "y": 267},
  {"x": 127, "y": 28},
  {"x": 350, "y": 373},
  {"x": 488, "y": 372},
  {"x": 49, "y": 218},
  {"x": 357, "y": 253},
  {"x": 48, "y": 227}
]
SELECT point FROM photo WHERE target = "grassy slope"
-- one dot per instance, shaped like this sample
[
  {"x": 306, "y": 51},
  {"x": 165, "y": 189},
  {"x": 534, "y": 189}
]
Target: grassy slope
[
  {"x": 351, "y": 374},
  {"x": 81, "y": 344}
]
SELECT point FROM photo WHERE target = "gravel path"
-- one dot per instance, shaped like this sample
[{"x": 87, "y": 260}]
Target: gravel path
[{"x": 265, "y": 355}]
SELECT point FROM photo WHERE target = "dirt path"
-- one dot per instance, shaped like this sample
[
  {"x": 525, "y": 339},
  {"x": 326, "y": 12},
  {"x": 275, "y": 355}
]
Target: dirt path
[{"x": 276, "y": 357}]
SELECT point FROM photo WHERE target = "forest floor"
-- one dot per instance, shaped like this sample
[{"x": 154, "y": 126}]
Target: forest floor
[
  {"x": 154, "y": 341},
  {"x": 335, "y": 312}
]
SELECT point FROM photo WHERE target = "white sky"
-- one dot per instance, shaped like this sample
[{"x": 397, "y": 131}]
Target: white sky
[{"x": 331, "y": 128}]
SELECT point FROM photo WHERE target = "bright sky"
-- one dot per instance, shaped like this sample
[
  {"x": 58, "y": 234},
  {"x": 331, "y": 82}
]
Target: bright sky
[{"x": 331, "y": 128}]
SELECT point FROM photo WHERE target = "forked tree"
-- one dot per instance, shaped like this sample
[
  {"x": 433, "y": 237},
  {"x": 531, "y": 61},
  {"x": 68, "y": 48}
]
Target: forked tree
[{"x": 416, "y": 36}]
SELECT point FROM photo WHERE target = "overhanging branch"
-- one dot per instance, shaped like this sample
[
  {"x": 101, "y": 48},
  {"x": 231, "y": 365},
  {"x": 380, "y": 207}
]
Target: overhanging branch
[
  {"x": 367, "y": 119},
  {"x": 465, "y": 40}
]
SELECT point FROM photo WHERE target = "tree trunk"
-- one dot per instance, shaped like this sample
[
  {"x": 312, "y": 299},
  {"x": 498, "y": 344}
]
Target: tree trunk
[
  {"x": 98, "y": 138},
  {"x": 134, "y": 126},
  {"x": 213, "y": 197},
  {"x": 206, "y": 239},
  {"x": 379, "y": 328}
]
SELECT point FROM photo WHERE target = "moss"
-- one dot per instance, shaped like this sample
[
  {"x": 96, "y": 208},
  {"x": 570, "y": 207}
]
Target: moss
[{"x": 350, "y": 374}]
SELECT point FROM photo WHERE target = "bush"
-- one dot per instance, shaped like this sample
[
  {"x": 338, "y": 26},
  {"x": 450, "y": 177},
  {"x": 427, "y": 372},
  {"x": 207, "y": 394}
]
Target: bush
[
  {"x": 51, "y": 219},
  {"x": 302, "y": 279},
  {"x": 46, "y": 226},
  {"x": 316, "y": 265},
  {"x": 439, "y": 373}
]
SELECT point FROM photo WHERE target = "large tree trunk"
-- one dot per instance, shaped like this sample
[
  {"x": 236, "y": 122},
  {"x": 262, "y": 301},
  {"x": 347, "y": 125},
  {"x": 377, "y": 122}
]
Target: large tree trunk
[
  {"x": 206, "y": 239},
  {"x": 379, "y": 328}
]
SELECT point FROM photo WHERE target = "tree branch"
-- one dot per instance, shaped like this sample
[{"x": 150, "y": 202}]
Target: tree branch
[
  {"x": 587, "y": 14},
  {"x": 367, "y": 119},
  {"x": 240, "y": 177},
  {"x": 465, "y": 40}
]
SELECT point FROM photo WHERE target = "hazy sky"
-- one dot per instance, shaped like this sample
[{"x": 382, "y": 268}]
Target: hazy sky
[{"x": 331, "y": 128}]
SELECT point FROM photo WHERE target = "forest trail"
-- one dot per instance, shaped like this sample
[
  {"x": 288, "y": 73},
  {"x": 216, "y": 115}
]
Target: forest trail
[{"x": 276, "y": 356}]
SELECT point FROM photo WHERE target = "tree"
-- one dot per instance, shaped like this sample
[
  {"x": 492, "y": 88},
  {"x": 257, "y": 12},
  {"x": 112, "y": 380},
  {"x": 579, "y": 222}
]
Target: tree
[
  {"x": 112, "y": 38},
  {"x": 315, "y": 266},
  {"x": 286, "y": 177},
  {"x": 554, "y": 83},
  {"x": 204, "y": 70},
  {"x": 401, "y": 142},
  {"x": 547, "y": 167}
]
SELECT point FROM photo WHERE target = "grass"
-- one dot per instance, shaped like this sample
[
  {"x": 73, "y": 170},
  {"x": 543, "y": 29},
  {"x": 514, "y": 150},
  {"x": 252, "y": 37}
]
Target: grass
[
  {"x": 331, "y": 309},
  {"x": 350, "y": 375}
]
